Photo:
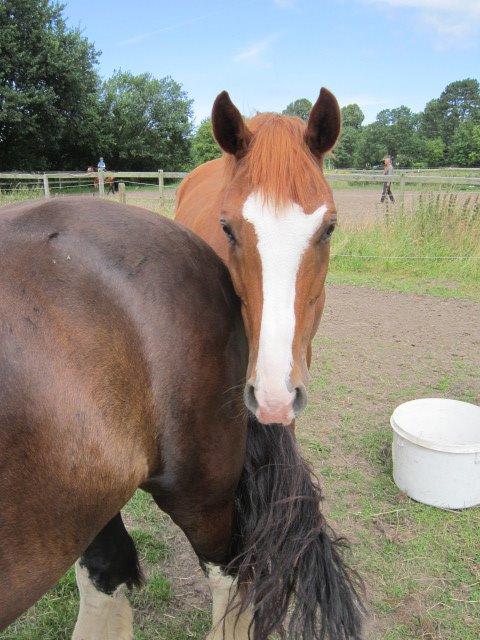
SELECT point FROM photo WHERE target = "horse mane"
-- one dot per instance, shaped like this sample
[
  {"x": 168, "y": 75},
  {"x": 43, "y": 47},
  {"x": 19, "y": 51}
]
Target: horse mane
[{"x": 278, "y": 163}]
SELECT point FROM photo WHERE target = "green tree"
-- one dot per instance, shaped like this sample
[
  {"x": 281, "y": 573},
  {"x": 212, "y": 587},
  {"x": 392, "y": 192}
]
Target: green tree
[
  {"x": 300, "y": 108},
  {"x": 434, "y": 152},
  {"x": 345, "y": 151},
  {"x": 431, "y": 124},
  {"x": 459, "y": 102},
  {"x": 204, "y": 146},
  {"x": 371, "y": 147},
  {"x": 346, "y": 148},
  {"x": 48, "y": 89},
  {"x": 147, "y": 123},
  {"x": 465, "y": 148},
  {"x": 398, "y": 131},
  {"x": 352, "y": 116}
]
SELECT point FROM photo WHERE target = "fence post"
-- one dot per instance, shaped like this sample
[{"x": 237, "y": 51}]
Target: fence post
[
  {"x": 121, "y": 193},
  {"x": 101, "y": 184},
  {"x": 402, "y": 188},
  {"x": 46, "y": 188},
  {"x": 160, "y": 183}
]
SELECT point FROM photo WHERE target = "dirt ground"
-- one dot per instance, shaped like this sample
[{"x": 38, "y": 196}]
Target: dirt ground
[
  {"x": 374, "y": 350},
  {"x": 357, "y": 205},
  {"x": 353, "y": 205}
]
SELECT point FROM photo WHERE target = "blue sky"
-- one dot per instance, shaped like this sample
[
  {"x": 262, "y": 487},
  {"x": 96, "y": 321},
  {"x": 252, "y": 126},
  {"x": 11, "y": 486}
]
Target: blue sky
[{"x": 266, "y": 53}]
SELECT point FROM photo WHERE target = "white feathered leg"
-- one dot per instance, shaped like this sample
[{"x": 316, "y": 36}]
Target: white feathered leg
[
  {"x": 101, "y": 616},
  {"x": 230, "y": 627}
]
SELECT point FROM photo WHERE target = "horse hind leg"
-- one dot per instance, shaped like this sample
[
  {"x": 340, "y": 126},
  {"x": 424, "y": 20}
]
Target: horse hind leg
[
  {"x": 227, "y": 623},
  {"x": 108, "y": 566}
]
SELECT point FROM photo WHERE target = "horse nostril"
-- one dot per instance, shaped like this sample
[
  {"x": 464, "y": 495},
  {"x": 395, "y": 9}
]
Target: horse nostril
[
  {"x": 249, "y": 397},
  {"x": 301, "y": 399}
]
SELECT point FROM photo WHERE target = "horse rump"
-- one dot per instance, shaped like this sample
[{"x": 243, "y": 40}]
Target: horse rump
[{"x": 287, "y": 560}]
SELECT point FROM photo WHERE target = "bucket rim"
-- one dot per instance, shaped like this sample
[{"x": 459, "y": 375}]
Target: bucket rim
[{"x": 469, "y": 447}]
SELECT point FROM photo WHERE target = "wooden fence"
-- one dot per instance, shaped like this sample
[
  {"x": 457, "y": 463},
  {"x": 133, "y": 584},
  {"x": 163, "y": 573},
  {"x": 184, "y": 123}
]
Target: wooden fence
[
  {"x": 45, "y": 178},
  {"x": 400, "y": 177}
]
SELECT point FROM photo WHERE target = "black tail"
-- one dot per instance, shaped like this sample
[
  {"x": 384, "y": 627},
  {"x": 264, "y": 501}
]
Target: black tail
[{"x": 288, "y": 561}]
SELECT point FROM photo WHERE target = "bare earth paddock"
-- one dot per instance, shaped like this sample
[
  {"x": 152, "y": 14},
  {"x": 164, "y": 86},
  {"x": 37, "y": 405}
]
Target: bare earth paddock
[
  {"x": 374, "y": 350},
  {"x": 353, "y": 204}
]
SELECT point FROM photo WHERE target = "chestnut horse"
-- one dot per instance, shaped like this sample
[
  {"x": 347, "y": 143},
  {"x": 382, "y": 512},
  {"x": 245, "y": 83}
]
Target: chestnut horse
[
  {"x": 268, "y": 212},
  {"x": 122, "y": 363}
]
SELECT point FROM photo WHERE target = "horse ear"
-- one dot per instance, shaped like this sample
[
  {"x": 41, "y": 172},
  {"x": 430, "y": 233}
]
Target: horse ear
[
  {"x": 229, "y": 128},
  {"x": 324, "y": 123}
]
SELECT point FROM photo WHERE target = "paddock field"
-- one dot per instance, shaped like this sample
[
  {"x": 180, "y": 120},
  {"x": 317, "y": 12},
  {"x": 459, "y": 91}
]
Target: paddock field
[
  {"x": 375, "y": 348},
  {"x": 354, "y": 204}
]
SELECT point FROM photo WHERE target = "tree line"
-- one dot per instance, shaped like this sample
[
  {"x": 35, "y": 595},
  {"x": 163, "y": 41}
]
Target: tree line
[
  {"x": 445, "y": 133},
  {"x": 57, "y": 113}
]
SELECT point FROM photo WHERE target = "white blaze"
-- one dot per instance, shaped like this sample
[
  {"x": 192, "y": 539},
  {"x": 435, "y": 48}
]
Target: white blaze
[{"x": 283, "y": 236}]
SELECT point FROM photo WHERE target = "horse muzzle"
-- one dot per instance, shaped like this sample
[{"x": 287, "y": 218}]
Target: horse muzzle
[{"x": 279, "y": 407}]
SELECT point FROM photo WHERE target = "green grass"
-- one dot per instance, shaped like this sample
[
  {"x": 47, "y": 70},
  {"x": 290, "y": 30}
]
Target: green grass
[
  {"x": 18, "y": 195},
  {"x": 412, "y": 251},
  {"x": 421, "y": 565}
]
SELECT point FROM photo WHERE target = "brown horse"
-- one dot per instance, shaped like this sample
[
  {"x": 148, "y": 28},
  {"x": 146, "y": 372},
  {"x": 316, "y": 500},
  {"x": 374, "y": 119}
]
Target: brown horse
[
  {"x": 109, "y": 181},
  {"x": 122, "y": 364},
  {"x": 267, "y": 210},
  {"x": 110, "y": 184},
  {"x": 95, "y": 179}
]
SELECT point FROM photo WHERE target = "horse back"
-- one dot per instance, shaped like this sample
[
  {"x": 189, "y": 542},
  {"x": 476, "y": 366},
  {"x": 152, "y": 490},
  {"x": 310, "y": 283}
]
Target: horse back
[{"x": 198, "y": 203}]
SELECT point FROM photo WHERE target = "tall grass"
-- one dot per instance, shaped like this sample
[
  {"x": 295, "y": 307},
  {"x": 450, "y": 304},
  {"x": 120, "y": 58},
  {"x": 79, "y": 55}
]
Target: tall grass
[
  {"x": 436, "y": 239},
  {"x": 18, "y": 194}
]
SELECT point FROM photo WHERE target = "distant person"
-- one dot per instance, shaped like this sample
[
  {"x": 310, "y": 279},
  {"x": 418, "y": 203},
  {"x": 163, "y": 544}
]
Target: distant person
[
  {"x": 387, "y": 186},
  {"x": 101, "y": 165}
]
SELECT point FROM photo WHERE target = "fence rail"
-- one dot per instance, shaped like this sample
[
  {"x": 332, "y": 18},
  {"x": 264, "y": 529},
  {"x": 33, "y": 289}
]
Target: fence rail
[
  {"x": 400, "y": 177},
  {"x": 403, "y": 178},
  {"x": 92, "y": 174},
  {"x": 43, "y": 179}
]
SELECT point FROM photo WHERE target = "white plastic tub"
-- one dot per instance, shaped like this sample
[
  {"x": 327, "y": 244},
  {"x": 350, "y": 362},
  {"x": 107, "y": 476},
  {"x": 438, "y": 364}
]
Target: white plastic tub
[{"x": 436, "y": 452}]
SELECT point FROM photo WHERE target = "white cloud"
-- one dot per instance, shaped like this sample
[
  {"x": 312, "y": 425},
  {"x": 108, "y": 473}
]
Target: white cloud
[
  {"x": 254, "y": 51},
  {"x": 284, "y": 4},
  {"x": 455, "y": 21}
]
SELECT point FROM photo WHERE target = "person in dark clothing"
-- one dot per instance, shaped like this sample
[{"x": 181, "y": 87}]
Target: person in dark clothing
[{"x": 387, "y": 186}]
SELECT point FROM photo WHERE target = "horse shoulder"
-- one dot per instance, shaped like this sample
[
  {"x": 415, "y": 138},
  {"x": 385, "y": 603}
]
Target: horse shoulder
[{"x": 194, "y": 196}]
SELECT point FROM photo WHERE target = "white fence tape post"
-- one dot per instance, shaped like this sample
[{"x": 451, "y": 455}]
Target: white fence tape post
[
  {"x": 121, "y": 193},
  {"x": 101, "y": 184},
  {"x": 46, "y": 187},
  {"x": 161, "y": 184}
]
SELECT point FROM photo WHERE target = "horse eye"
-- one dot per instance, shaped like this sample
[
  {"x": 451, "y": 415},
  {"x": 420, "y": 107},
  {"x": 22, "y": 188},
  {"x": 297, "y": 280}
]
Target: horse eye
[
  {"x": 327, "y": 234},
  {"x": 227, "y": 229}
]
